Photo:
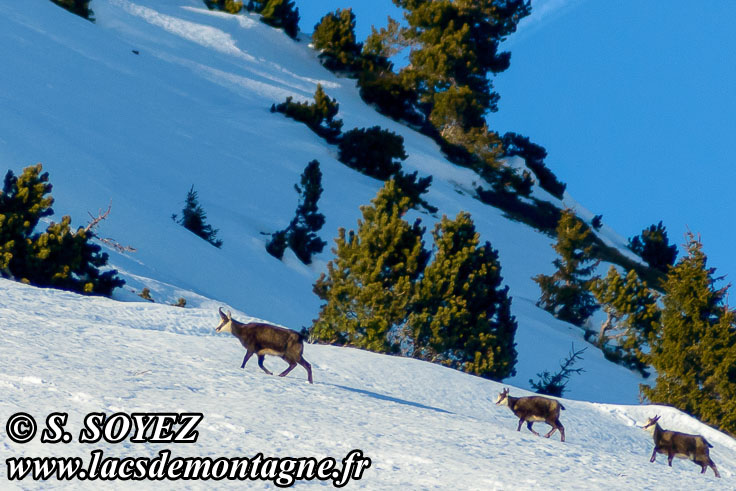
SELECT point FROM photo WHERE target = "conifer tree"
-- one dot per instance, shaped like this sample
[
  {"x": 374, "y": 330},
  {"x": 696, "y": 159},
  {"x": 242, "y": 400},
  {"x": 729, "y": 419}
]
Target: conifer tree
[
  {"x": 461, "y": 315},
  {"x": 301, "y": 234},
  {"x": 566, "y": 293},
  {"x": 79, "y": 7},
  {"x": 632, "y": 315},
  {"x": 694, "y": 350},
  {"x": 194, "y": 219},
  {"x": 373, "y": 151},
  {"x": 456, "y": 46},
  {"x": 369, "y": 284},
  {"x": 58, "y": 257},
  {"x": 281, "y": 13},
  {"x": 334, "y": 36},
  {"x": 23, "y": 203},
  {"x": 653, "y": 246},
  {"x": 319, "y": 115}
]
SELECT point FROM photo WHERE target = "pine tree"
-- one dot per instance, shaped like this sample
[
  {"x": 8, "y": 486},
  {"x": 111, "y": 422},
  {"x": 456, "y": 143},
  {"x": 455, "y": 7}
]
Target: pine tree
[
  {"x": 653, "y": 246},
  {"x": 194, "y": 219},
  {"x": 461, "y": 315},
  {"x": 23, "y": 203},
  {"x": 281, "y": 13},
  {"x": 369, "y": 284},
  {"x": 319, "y": 115},
  {"x": 694, "y": 350},
  {"x": 372, "y": 151},
  {"x": 632, "y": 315},
  {"x": 301, "y": 234},
  {"x": 456, "y": 45},
  {"x": 334, "y": 36},
  {"x": 58, "y": 257},
  {"x": 79, "y": 7},
  {"x": 565, "y": 293}
]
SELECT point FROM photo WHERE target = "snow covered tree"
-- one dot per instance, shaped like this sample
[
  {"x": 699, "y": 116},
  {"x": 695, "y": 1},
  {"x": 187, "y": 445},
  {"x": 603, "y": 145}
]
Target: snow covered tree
[
  {"x": 301, "y": 234},
  {"x": 653, "y": 246},
  {"x": 369, "y": 284},
  {"x": 566, "y": 293},
  {"x": 59, "y": 257},
  {"x": 194, "y": 219},
  {"x": 632, "y": 316},
  {"x": 694, "y": 349},
  {"x": 334, "y": 36},
  {"x": 79, "y": 7},
  {"x": 461, "y": 315}
]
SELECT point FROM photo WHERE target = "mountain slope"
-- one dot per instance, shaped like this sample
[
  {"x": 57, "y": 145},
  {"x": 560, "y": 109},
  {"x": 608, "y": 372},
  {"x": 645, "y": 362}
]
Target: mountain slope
[
  {"x": 192, "y": 107},
  {"x": 422, "y": 425}
]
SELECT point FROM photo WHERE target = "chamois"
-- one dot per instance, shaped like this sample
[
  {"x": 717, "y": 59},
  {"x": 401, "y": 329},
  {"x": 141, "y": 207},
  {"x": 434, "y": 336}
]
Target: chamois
[
  {"x": 682, "y": 445},
  {"x": 265, "y": 339},
  {"x": 533, "y": 409}
]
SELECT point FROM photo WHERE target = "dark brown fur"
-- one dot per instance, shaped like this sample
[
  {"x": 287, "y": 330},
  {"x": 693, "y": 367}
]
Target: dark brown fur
[
  {"x": 676, "y": 444},
  {"x": 265, "y": 339},
  {"x": 534, "y": 409}
]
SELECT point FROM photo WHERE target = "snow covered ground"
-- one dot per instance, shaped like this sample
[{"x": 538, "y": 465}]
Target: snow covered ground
[
  {"x": 423, "y": 426},
  {"x": 191, "y": 107}
]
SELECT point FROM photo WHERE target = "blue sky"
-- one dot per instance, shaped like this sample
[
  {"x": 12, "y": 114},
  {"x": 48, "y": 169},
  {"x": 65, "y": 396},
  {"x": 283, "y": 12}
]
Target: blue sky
[{"x": 634, "y": 101}]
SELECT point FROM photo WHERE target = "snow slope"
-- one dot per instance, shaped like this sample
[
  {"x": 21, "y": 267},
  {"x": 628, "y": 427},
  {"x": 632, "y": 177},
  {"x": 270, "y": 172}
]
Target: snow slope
[
  {"x": 193, "y": 108},
  {"x": 423, "y": 426}
]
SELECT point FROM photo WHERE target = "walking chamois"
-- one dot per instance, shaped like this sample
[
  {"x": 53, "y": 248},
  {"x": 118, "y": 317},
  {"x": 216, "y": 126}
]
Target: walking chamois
[
  {"x": 533, "y": 409},
  {"x": 265, "y": 339},
  {"x": 682, "y": 445}
]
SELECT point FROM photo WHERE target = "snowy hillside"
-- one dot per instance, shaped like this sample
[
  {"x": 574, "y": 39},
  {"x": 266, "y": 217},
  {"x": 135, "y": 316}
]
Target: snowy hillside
[
  {"x": 423, "y": 426},
  {"x": 158, "y": 95},
  {"x": 192, "y": 107}
]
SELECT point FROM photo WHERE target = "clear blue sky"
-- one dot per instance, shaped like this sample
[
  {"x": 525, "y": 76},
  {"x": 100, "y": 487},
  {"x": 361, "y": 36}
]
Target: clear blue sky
[{"x": 634, "y": 101}]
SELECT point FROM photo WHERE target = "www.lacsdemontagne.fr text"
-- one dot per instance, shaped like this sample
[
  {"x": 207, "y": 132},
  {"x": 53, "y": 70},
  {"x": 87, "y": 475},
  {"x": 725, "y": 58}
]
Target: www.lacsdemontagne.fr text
[{"x": 283, "y": 471}]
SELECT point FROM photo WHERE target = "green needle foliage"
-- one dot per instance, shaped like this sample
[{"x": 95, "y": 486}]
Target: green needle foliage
[
  {"x": 59, "y": 257},
  {"x": 461, "y": 314},
  {"x": 368, "y": 286},
  {"x": 334, "y": 36},
  {"x": 566, "y": 294},
  {"x": 301, "y": 234},
  {"x": 694, "y": 349},
  {"x": 382, "y": 294},
  {"x": 654, "y": 247},
  {"x": 194, "y": 219},
  {"x": 632, "y": 317}
]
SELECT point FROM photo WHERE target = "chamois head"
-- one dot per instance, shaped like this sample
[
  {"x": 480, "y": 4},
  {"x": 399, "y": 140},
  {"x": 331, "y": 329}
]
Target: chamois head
[
  {"x": 650, "y": 424},
  {"x": 503, "y": 397},
  {"x": 226, "y": 322}
]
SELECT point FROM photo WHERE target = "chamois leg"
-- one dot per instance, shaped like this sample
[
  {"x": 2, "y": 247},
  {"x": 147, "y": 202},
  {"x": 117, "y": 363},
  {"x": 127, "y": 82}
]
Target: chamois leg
[
  {"x": 260, "y": 364},
  {"x": 247, "y": 356},
  {"x": 562, "y": 430},
  {"x": 288, "y": 369},
  {"x": 670, "y": 456},
  {"x": 529, "y": 425},
  {"x": 521, "y": 421},
  {"x": 308, "y": 368},
  {"x": 556, "y": 425},
  {"x": 713, "y": 466},
  {"x": 654, "y": 455}
]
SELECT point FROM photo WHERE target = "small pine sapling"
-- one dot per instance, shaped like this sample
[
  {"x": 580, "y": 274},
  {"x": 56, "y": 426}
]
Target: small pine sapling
[
  {"x": 194, "y": 219},
  {"x": 554, "y": 384}
]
